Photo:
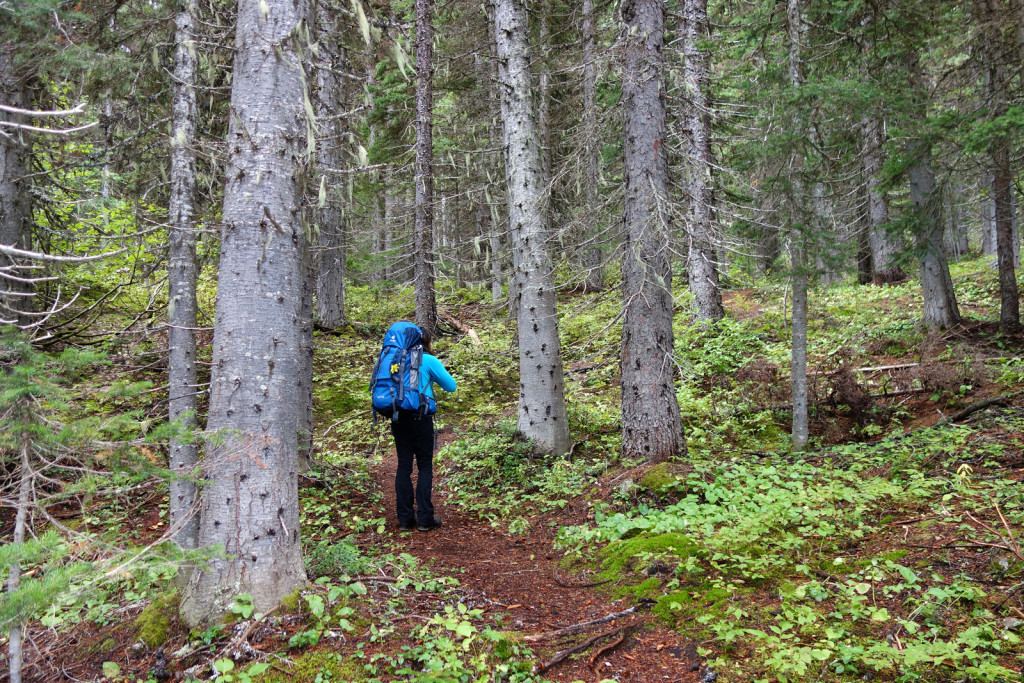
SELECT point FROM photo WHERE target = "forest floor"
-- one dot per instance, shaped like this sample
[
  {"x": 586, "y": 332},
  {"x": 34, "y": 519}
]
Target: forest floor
[
  {"x": 523, "y": 578},
  {"x": 891, "y": 551}
]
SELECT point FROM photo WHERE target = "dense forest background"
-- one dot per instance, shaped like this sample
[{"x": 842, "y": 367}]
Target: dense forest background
[{"x": 730, "y": 291}]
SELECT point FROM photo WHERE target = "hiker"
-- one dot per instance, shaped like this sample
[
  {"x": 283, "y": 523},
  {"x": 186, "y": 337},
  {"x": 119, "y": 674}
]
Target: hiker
[{"x": 412, "y": 418}]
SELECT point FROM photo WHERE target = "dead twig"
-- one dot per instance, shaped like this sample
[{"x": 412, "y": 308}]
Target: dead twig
[
  {"x": 562, "y": 655},
  {"x": 566, "y": 584},
  {"x": 608, "y": 646}
]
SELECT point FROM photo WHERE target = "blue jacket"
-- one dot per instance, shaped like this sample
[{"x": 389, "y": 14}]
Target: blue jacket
[{"x": 431, "y": 371}]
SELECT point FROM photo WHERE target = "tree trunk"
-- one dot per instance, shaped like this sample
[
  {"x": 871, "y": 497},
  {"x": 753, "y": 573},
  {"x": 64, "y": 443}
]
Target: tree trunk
[
  {"x": 544, "y": 97},
  {"x": 426, "y": 307},
  {"x": 250, "y": 507},
  {"x": 391, "y": 204},
  {"x": 594, "y": 277},
  {"x": 884, "y": 249},
  {"x": 15, "y": 204},
  {"x": 1002, "y": 189},
  {"x": 993, "y": 53},
  {"x": 988, "y": 218},
  {"x": 15, "y": 640},
  {"x": 798, "y": 360},
  {"x": 940, "y": 309},
  {"x": 702, "y": 263},
  {"x": 182, "y": 275},
  {"x": 651, "y": 424},
  {"x": 798, "y": 350},
  {"x": 541, "y": 413},
  {"x": 304, "y": 378},
  {"x": 332, "y": 101}
]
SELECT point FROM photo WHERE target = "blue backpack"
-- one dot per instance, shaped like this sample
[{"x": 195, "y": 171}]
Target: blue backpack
[{"x": 395, "y": 385}]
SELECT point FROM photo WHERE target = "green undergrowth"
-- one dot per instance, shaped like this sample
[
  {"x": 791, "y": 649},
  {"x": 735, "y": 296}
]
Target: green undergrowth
[
  {"x": 493, "y": 473},
  {"x": 799, "y": 568}
]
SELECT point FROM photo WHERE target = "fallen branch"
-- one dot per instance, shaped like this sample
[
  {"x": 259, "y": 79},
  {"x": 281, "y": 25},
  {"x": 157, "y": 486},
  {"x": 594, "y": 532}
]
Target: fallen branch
[
  {"x": 565, "y": 584},
  {"x": 463, "y": 328},
  {"x": 608, "y": 647},
  {"x": 831, "y": 402},
  {"x": 975, "y": 407},
  {"x": 576, "y": 628},
  {"x": 563, "y": 655}
]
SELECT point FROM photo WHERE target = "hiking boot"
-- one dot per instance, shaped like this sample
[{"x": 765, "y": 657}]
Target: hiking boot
[
  {"x": 405, "y": 526},
  {"x": 435, "y": 523}
]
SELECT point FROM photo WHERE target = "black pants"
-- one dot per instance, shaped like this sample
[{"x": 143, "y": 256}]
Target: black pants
[{"x": 414, "y": 436}]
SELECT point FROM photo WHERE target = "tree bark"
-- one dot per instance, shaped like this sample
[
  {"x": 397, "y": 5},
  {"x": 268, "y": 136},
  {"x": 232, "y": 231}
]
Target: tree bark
[
  {"x": 182, "y": 275},
  {"x": 988, "y": 218},
  {"x": 798, "y": 352},
  {"x": 884, "y": 249},
  {"x": 304, "y": 377},
  {"x": 940, "y": 308},
  {"x": 702, "y": 263},
  {"x": 992, "y": 52},
  {"x": 332, "y": 101},
  {"x": 541, "y": 412},
  {"x": 426, "y": 306},
  {"x": 250, "y": 506},
  {"x": 15, "y": 202},
  {"x": 798, "y": 361},
  {"x": 15, "y": 649},
  {"x": 594, "y": 278},
  {"x": 651, "y": 423}
]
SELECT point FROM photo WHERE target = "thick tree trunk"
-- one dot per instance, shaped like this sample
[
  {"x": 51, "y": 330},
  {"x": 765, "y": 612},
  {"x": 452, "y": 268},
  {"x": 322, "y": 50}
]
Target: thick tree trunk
[
  {"x": 884, "y": 249},
  {"x": 426, "y": 307},
  {"x": 651, "y": 424},
  {"x": 250, "y": 507},
  {"x": 940, "y": 309},
  {"x": 541, "y": 413},
  {"x": 594, "y": 276},
  {"x": 182, "y": 275},
  {"x": 332, "y": 102},
  {"x": 702, "y": 263},
  {"x": 15, "y": 206},
  {"x": 304, "y": 378}
]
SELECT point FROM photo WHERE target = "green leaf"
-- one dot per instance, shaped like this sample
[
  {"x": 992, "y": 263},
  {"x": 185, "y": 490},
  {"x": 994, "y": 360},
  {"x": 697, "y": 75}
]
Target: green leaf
[
  {"x": 224, "y": 665},
  {"x": 111, "y": 669}
]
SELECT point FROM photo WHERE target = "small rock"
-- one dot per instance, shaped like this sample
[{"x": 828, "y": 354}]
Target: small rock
[
  {"x": 137, "y": 649},
  {"x": 1012, "y": 623},
  {"x": 695, "y": 666}
]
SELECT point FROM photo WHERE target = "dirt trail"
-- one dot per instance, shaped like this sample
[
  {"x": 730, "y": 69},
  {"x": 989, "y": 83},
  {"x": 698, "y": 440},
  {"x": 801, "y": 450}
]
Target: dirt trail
[{"x": 519, "y": 574}]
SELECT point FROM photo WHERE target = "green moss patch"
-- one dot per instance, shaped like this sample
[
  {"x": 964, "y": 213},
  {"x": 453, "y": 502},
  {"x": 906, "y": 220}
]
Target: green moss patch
[
  {"x": 664, "y": 477},
  {"x": 627, "y": 555},
  {"x": 154, "y": 623},
  {"x": 319, "y": 665}
]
